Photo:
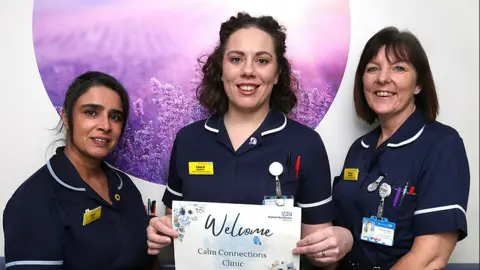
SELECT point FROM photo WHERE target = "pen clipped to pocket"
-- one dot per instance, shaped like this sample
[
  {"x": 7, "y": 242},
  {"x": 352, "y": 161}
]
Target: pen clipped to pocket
[
  {"x": 293, "y": 164},
  {"x": 401, "y": 193}
]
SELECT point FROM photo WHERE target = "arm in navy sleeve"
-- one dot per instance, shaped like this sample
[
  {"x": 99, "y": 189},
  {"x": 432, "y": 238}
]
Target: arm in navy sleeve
[
  {"x": 173, "y": 189},
  {"x": 315, "y": 192},
  {"x": 439, "y": 218},
  {"x": 315, "y": 199},
  {"x": 443, "y": 190},
  {"x": 33, "y": 231}
]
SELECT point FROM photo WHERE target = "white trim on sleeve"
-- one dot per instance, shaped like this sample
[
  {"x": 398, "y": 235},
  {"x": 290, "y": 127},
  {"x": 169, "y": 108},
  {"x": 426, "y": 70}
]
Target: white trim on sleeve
[
  {"x": 315, "y": 204},
  {"x": 440, "y": 208},
  {"x": 33, "y": 263},
  {"x": 174, "y": 192}
]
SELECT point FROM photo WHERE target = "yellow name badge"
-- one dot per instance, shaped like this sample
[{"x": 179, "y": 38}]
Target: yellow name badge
[
  {"x": 91, "y": 215},
  {"x": 350, "y": 174},
  {"x": 200, "y": 168}
]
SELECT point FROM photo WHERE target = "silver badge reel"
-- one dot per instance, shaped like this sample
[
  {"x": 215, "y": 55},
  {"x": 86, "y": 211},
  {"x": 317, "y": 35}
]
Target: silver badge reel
[
  {"x": 276, "y": 169},
  {"x": 384, "y": 191}
]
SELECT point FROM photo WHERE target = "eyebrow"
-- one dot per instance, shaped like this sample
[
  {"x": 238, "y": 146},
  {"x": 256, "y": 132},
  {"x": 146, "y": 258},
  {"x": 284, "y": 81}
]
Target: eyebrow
[
  {"x": 391, "y": 63},
  {"x": 99, "y": 107},
  {"x": 243, "y": 54}
]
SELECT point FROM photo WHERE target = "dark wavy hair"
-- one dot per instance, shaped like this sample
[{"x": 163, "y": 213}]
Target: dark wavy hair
[{"x": 211, "y": 93}]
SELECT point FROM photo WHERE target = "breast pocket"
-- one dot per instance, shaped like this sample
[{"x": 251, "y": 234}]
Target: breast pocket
[
  {"x": 402, "y": 214},
  {"x": 98, "y": 241},
  {"x": 402, "y": 205},
  {"x": 289, "y": 184}
]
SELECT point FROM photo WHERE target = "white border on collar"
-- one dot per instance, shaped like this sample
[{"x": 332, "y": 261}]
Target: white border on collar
[
  {"x": 54, "y": 175},
  {"x": 208, "y": 127},
  {"x": 50, "y": 169},
  {"x": 407, "y": 141},
  {"x": 120, "y": 186},
  {"x": 277, "y": 129},
  {"x": 273, "y": 130}
]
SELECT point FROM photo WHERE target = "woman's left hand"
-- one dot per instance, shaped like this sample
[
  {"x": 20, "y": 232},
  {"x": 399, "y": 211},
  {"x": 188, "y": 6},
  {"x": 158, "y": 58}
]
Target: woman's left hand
[{"x": 326, "y": 246}]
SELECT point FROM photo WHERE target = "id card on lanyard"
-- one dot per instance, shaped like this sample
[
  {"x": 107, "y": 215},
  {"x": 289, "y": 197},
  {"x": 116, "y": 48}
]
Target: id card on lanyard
[
  {"x": 376, "y": 229},
  {"x": 276, "y": 170},
  {"x": 278, "y": 200}
]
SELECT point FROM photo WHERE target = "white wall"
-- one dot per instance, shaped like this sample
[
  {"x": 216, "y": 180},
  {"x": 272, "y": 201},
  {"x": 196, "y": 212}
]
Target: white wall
[{"x": 448, "y": 30}]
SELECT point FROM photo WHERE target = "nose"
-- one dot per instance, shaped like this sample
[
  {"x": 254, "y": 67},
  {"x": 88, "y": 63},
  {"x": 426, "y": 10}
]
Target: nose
[
  {"x": 105, "y": 124},
  {"x": 384, "y": 75},
  {"x": 247, "y": 68}
]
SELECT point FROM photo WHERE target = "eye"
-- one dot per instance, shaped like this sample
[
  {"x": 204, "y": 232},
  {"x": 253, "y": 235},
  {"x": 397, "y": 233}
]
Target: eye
[
  {"x": 372, "y": 69},
  {"x": 117, "y": 117},
  {"x": 90, "y": 112},
  {"x": 235, "y": 60},
  {"x": 262, "y": 61},
  {"x": 398, "y": 68}
]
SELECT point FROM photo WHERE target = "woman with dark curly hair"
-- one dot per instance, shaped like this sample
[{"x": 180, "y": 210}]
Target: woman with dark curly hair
[
  {"x": 249, "y": 89},
  {"x": 214, "y": 95}
]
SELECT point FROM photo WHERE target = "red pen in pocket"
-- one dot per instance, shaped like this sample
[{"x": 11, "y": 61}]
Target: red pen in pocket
[
  {"x": 297, "y": 167},
  {"x": 411, "y": 190}
]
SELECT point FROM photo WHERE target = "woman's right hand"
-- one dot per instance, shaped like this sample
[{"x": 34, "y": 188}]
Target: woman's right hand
[{"x": 160, "y": 233}]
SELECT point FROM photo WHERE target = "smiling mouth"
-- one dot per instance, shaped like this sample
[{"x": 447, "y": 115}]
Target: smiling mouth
[
  {"x": 247, "y": 88},
  {"x": 384, "y": 94},
  {"x": 101, "y": 141}
]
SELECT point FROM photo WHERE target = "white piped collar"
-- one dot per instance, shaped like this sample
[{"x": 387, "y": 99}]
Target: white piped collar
[
  {"x": 81, "y": 189},
  {"x": 207, "y": 127},
  {"x": 277, "y": 129},
  {"x": 402, "y": 143},
  {"x": 408, "y": 132},
  {"x": 212, "y": 124}
]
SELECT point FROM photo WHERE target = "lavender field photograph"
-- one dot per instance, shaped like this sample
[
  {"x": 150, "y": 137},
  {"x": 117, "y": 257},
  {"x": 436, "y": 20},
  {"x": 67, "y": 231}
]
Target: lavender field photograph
[{"x": 152, "y": 47}]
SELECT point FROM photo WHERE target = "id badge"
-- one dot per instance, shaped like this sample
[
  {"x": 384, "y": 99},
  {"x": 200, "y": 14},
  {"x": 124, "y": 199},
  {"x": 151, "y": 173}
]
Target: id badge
[
  {"x": 284, "y": 200},
  {"x": 91, "y": 215},
  {"x": 378, "y": 231}
]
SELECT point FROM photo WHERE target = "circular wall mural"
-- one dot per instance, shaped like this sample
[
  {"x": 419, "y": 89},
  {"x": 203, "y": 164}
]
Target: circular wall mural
[{"x": 152, "y": 47}]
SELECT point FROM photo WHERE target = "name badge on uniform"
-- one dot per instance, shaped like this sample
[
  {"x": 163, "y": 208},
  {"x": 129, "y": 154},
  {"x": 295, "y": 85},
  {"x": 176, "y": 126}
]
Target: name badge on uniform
[
  {"x": 378, "y": 231},
  {"x": 200, "y": 168},
  {"x": 91, "y": 215},
  {"x": 350, "y": 174}
]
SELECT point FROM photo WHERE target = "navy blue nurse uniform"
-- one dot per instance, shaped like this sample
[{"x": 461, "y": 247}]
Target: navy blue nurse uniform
[
  {"x": 426, "y": 157},
  {"x": 43, "y": 222},
  {"x": 243, "y": 176}
]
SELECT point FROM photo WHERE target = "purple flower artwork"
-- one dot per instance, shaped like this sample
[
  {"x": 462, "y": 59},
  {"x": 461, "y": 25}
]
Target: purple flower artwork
[{"x": 152, "y": 47}]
